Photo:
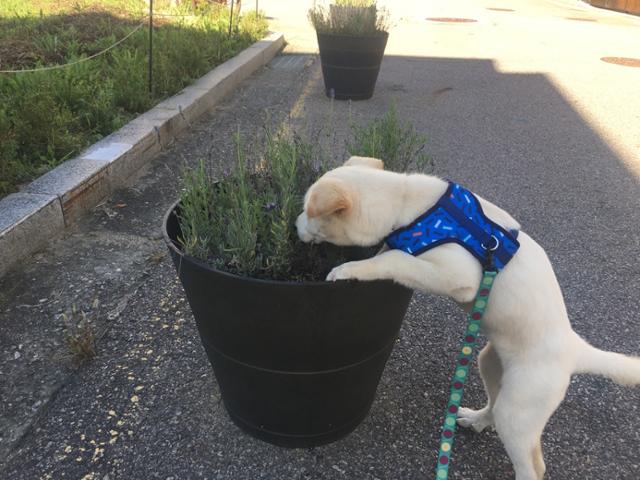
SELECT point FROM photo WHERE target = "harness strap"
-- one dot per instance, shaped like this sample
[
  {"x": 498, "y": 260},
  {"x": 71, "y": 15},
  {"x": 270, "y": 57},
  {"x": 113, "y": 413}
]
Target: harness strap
[
  {"x": 457, "y": 217},
  {"x": 461, "y": 373}
]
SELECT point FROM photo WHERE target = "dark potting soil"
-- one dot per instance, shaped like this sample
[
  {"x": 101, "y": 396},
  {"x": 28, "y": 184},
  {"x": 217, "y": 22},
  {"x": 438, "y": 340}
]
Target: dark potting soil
[
  {"x": 308, "y": 262},
  {"x": 314, "y": 262}
]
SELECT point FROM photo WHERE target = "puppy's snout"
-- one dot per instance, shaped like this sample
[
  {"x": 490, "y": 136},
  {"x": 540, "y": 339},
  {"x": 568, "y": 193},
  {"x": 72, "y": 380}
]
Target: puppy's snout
[{"x": 301, "y": 226}]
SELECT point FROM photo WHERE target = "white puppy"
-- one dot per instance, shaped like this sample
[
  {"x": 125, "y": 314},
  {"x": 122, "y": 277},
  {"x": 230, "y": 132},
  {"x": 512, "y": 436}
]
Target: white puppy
[{"x": 532, "y": 350}]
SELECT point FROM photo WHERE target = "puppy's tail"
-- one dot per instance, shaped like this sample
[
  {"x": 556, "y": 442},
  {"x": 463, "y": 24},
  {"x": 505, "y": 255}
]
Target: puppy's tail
[{"x": 622, "y": 369}]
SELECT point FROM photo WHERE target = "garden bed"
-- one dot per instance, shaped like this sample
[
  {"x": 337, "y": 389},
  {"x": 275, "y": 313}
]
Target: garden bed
[{"x": 48, "y": 116}]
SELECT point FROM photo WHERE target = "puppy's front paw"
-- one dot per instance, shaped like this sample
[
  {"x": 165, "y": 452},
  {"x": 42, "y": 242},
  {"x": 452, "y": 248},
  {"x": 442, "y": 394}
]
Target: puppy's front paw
[
  {"x": 346, "y": 271},
  {"x": 476, "y": 419}
]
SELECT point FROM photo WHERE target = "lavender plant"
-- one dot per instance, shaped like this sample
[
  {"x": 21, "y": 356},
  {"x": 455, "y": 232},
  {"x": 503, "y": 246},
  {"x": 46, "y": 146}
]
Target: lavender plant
[
  {"x": 350, "y": 17},
  {"x": 399, "y": 145},
  {"x": 244, "y": 223}
]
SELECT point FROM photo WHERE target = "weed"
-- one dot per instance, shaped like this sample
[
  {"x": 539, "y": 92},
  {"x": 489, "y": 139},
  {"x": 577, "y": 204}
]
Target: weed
[
  {"x": 4, "y": 300},
  {"x": 79, "y": 336},
  {"x": 157, "y": 258}
]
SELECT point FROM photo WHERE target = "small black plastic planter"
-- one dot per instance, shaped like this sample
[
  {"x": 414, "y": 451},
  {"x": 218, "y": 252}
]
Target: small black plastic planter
[
  {"x": 350, "y": 64},
  {"x": 298, "y": 364},
  {"x": 352, "y": 38}
]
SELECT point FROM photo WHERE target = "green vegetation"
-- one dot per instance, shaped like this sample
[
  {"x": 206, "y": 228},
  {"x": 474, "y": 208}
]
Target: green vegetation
[
  {"x": 244, "y": 223},
  {"x": 398, "y": 145},
  {"x": 350, "y": 17},
  {"x": 47, "y": 117}
]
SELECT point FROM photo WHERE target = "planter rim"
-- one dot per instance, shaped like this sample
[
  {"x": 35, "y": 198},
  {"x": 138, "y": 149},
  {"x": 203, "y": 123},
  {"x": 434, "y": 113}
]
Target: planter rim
[
  {"x": 316, "y": 284},
  {"x": 348, "y": 35}
]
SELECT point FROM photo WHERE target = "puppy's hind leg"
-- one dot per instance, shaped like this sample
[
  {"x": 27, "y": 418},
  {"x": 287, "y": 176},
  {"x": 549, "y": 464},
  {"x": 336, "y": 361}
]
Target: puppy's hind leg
[
  {"x": 491, "y": 373},
  {"x": 527, "y": 399}
]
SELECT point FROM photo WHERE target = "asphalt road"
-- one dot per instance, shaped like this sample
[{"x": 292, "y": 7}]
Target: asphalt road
[{"x": 517, "y": 106}]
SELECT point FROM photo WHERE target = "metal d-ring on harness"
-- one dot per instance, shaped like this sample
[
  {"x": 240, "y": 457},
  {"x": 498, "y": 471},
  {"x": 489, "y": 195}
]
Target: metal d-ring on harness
[{"x": 458, "y": 217}]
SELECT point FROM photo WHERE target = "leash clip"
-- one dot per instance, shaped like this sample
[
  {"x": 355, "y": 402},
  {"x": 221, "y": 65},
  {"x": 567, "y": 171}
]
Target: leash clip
[{"x": 489, "y": 264}]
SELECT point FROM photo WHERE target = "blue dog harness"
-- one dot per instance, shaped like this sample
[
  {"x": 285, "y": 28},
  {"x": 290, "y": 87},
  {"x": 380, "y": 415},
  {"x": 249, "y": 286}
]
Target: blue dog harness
[{"x": 458, "y": 217}]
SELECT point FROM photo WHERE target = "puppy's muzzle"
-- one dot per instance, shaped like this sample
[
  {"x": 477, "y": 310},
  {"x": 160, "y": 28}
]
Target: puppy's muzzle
[{"x": 301, "y": 225}]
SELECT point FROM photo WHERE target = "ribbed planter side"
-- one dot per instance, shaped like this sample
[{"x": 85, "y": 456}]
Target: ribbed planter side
[
  {"x": 350, "y": 64},
  {"x": 298, "y": 364}
]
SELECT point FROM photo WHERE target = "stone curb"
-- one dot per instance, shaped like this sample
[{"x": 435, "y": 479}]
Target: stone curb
[{"x": 31, "y": 218}]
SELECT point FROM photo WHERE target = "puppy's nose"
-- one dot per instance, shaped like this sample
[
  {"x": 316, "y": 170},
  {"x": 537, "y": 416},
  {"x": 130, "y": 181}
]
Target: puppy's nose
[{"x": 301, "y": 226}]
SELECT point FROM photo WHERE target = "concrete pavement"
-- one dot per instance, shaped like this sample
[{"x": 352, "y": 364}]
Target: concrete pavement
[{"x": 517, "y": 105}]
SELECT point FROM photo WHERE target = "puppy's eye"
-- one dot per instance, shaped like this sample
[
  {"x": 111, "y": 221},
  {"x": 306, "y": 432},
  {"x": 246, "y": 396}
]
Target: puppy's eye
[{"x": 340, "y": 212}]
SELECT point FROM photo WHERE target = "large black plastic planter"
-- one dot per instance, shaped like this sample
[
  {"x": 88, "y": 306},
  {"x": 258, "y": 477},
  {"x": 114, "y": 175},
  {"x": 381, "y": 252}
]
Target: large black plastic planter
[
  {"x": 298, "y": 364},
  {"x": 350, "y": 64}
]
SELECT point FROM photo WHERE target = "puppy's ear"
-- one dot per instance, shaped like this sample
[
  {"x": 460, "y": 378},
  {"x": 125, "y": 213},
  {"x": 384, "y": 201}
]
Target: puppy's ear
[
  {"x": 327, "y": 196},
  {"x": 365, "y": 162}
]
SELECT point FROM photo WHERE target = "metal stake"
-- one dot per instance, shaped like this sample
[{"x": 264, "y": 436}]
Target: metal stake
[
  {"x": 231, "y": 18},
  {"x": 150, "y": 46}
]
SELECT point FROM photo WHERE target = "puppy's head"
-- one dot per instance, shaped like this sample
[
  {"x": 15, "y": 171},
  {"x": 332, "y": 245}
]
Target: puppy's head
[{"x": 342, "y": 208}]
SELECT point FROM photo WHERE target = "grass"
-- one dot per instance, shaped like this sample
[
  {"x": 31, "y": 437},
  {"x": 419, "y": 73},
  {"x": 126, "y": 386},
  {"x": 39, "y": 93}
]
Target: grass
[
  {"x": 244, "y": 222},
  {"x": 48, "y": 117}
]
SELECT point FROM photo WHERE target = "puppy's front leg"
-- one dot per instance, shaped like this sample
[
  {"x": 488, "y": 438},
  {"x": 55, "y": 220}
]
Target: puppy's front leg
[{"x": 420, "y": 273}]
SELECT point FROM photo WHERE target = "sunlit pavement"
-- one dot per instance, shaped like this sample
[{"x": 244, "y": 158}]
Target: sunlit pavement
[{"x": 562, "y": 39}]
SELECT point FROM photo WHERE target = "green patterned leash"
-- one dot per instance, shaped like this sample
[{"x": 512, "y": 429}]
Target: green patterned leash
[{"x": 461, "y": 374}]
